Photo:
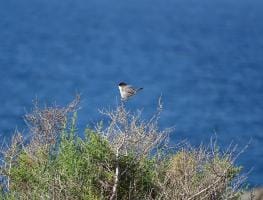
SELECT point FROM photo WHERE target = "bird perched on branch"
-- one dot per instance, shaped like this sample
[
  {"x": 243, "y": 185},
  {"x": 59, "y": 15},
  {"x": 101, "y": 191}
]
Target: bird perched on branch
[{"x": 127, "y": 91}]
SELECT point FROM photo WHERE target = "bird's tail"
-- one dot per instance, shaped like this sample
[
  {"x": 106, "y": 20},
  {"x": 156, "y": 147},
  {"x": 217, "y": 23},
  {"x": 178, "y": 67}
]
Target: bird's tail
[{"x": 139, "y": 89}]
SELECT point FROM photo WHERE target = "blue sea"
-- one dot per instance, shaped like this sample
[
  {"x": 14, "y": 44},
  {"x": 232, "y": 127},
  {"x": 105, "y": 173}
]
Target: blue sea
[{"x": 205, "y": 58}]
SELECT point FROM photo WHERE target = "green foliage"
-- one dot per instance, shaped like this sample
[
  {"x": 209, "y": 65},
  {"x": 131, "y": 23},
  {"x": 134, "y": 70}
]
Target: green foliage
[
  {"x": 137, "y": 178},
  {"x": 74, "y": 169}
]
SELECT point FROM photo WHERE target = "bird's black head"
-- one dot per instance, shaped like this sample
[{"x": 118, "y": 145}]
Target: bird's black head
[{"x": 122, "y": 84}]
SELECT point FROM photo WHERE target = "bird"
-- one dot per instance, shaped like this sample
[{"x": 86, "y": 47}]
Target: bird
[{"x": 127, "y": 91}]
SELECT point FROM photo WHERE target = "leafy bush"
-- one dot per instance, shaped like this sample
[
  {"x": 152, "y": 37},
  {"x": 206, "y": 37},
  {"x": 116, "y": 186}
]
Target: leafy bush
[{"x": 127, "y": 159}]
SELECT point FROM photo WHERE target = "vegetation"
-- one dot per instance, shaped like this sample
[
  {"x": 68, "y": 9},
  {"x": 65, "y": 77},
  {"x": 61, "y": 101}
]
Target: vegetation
[{"x": 129, "y": 158}]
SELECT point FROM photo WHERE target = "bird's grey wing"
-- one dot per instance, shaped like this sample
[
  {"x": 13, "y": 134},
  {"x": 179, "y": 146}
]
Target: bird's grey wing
[{"x": 130, "y": 91}]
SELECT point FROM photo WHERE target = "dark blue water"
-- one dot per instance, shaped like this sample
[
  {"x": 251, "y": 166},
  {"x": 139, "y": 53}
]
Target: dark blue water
[{"x": 204, "y": 57}]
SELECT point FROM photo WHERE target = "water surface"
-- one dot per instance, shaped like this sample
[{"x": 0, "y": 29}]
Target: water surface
[{"x": 204, "y": 57}]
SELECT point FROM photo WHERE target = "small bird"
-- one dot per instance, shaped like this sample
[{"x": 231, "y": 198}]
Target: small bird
[{"x": 127, "y": 91}]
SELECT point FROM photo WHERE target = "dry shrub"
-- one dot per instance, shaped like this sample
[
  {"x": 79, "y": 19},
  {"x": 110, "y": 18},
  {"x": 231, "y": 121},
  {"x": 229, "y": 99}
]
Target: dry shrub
[
  {"x": 9, "y": 156},
  {"x": 129, "y": 133},
  {"x": 135, "y": 141},
  {"x": 201, "y": 173},
  {"x": 45, "y": 124},
  {"x": 128, "y": 159}
]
